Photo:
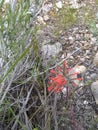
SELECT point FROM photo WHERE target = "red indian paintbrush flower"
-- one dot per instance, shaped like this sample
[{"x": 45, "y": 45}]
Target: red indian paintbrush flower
[
  {"x": 57, "y": 83},
  {"x": 58, "y": 80}
]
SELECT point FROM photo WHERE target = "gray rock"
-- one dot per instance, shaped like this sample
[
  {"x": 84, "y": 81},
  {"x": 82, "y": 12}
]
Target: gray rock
[
  {"x": 33, "y": 10},
  {"x": 82, "y": 59},
  {"x": 50, "y": 51},
  {"x": 94, "y": 89},
  {"x": 93, "y": 76}
]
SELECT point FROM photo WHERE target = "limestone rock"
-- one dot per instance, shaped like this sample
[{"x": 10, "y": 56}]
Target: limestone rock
[
  {"x": 95, "y": 61},
  {"x": 49, "y": 51}
]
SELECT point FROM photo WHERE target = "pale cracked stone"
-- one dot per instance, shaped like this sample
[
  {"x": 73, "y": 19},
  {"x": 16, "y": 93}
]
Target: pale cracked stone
[
  {"x": 59, "y": 4},
  {"x": 50, "y": 51},
  {"x": 77, "y": 69},
  {"x": 75, "y": 4}
]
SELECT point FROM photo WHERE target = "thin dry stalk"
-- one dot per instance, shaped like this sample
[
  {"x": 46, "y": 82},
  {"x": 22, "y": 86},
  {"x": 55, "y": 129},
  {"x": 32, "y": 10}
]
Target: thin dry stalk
[
  {"x": 23, "y": 108},
  {"x": 8, "y": 87},
  {"x": 55, "y": 111}
]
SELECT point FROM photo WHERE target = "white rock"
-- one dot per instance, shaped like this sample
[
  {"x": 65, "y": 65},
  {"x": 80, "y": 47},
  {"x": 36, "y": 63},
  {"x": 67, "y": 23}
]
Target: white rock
[
  {"x": 63, "y": 56},
  {"x": 7, "y": 2},
  {"x": 1, "y": 62},
  {"x": 59, "y": 4},
  {"x": 46, "y": 17},
  {"x": 71, "y": 39},
  {"x": 87, "y": 52},
  {"x": 93, "y": 40},
  {"x": 95, "y": 61},
  {"x": 40, "y": 20},
  {"x": 81, "y": 84},
  {"x": 64, "y": 90},
  {"x": 75, "y": 4},
  {"x": 85, "y": 102},
  {"x": 96, "y": 25},
  {"x": 94, "y": 89}
]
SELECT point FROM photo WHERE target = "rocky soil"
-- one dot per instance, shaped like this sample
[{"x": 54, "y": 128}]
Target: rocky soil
[{"x": 78, "y": 36}]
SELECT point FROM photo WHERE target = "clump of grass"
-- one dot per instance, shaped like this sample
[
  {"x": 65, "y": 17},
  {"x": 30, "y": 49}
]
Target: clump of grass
[
  {"x": 65, "y": 18},
  {"x": 18, "y": 47}
]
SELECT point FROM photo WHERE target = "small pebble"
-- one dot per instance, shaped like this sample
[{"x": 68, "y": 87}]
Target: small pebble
[
  {"x": 46, "y": 17},
  {"x": 95, "y": 61},
  {"x": 93, "y": 76},
  {"x": 94, "y": 89},
  {"x": 96, "y": 25},
  {"x": 93, "y": 40},
  {"x": 85, "y": 102},
  {"x": 87, "y": 52},
  {"x": 59, "y": 4},
  {"x": 64, "y": 90},
  {"x": 71, "y": 39},
  {"x": 1, "y": 62},
  {"x": 82, "y": 59},
  {"x": 95, "y": 48}
]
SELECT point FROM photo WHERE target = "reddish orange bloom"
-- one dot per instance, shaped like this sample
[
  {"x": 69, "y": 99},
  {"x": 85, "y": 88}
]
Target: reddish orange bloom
[
  {"x": 57, "y": 83},
  {"x": 58, "y": 80}
]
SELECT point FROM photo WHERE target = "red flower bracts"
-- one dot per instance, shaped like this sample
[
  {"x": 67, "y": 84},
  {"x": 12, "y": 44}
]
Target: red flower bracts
[
  {"x": 57, "y": 83},
  {"x": 58, "y": 79}
]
